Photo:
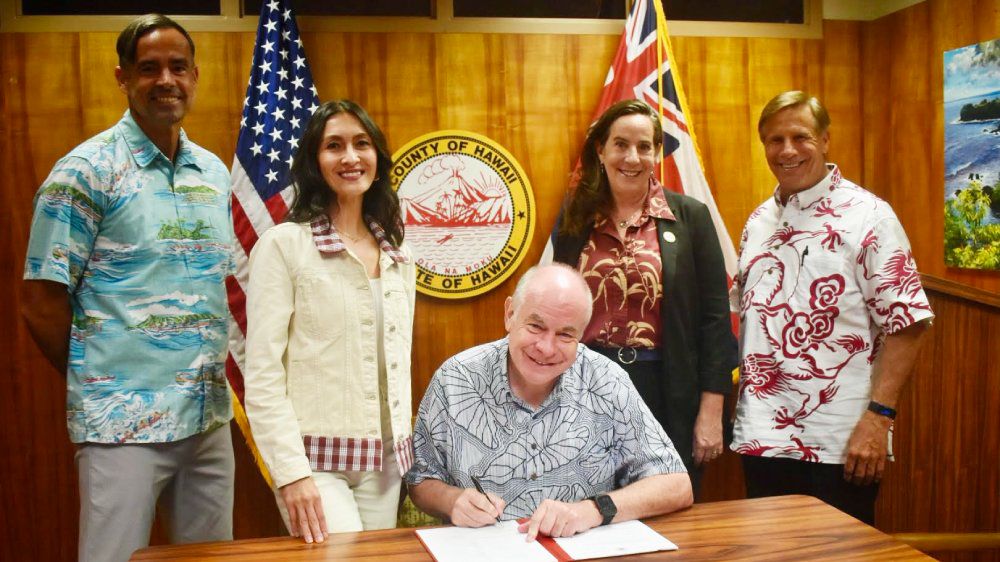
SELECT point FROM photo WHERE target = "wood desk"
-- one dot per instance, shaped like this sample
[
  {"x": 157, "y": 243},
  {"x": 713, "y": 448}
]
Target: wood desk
[{"x": 780, "y": 528}]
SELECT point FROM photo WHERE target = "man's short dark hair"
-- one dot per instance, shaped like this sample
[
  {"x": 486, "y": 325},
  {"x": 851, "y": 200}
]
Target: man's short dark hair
[{"x": 128, "y": 39}]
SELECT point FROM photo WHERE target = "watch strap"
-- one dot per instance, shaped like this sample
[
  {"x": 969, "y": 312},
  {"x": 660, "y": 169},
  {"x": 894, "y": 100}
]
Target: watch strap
[
  {"x": 606, "y": 507},
  {"x": 881, "y": 409}
]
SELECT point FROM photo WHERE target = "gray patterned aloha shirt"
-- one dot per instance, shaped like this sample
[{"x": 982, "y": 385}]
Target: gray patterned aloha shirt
[{"x": 593, "y": 434}]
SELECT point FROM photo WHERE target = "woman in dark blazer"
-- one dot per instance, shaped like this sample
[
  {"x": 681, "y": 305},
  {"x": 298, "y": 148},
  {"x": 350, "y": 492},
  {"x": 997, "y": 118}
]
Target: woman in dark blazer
[{"x": 654, "y": 265}]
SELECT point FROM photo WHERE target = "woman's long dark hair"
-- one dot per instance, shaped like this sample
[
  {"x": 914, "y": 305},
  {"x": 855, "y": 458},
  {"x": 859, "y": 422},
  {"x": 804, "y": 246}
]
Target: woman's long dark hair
[
  {"x": 312, "y": 194},
  {"x": 592, "y": 195}
]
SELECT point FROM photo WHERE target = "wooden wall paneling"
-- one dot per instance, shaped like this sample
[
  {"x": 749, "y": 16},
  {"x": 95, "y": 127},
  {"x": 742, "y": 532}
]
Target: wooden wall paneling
[
  {"x": 946, "y": 476},
  {"x": 876, "y": 58},
  {"x": 103, "y": 103},
  {"x": 36, "y": 481},
  {"x": 713, "y": 74},
  {"x": 912, "y": 143},
  {"x": 218, "y": 105},
  {"x": 840, "y": 91},
  {"x": 54, "y": 120},
  {"x": 409, "y": 87},
  {"x": 903, "y": 121}
]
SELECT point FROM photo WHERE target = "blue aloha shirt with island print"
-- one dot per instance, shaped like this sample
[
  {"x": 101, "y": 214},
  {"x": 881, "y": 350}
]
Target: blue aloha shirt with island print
[
  {"x": 144, "y": 246},
  {"x": 592, "y": 435}
]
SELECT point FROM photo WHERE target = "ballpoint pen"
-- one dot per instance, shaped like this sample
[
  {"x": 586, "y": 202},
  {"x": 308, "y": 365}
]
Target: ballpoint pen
[{"x": 482, "y": 491}]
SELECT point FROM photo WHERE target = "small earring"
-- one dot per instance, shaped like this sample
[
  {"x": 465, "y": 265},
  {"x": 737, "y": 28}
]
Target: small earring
[{"x": 603, "y": 171}]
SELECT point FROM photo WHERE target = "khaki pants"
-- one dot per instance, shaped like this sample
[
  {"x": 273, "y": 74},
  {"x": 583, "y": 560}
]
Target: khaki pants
[{"x": 120, "y": 486}]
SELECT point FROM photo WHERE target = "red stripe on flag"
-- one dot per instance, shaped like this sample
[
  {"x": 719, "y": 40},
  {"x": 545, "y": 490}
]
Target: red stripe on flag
[
  {"x": 671, "y": 175},
  {"x": 235, "y": 378},
  {"x": 245, "y": 232},
  {"x": 237, "y": 303},
  {"x": 277, "y": 207}
]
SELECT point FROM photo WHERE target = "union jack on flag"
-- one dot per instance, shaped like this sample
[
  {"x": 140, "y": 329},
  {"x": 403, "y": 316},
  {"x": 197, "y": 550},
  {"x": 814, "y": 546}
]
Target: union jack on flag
[
  {"x": 280, "y": 99},
  {"x": 641, "y": 69}
]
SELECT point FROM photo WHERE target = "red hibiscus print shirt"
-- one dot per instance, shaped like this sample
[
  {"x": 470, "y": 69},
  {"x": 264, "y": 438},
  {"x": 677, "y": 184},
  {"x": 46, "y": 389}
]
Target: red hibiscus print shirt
[{"x": 821, "y": 281}]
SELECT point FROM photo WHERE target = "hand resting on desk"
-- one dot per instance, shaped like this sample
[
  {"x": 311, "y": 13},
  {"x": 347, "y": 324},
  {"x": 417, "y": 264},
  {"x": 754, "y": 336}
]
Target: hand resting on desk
[{"x": 560, "y": 519}]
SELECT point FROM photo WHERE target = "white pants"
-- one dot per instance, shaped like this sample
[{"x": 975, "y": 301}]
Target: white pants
[
  {"x": 120, "y": 486},
  {"x": 356, "y": 500}
]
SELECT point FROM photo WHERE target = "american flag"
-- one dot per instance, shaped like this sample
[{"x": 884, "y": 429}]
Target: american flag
[
  {"x": 280, "y": 99},
  {"x": 642, "y": 70}
]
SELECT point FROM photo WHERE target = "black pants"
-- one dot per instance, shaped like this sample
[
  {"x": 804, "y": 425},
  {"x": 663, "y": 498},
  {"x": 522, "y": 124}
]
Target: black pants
[{"x": 767, "y": 476}]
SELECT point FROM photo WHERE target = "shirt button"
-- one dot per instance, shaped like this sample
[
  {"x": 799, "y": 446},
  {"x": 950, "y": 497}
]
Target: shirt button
[
  {"x": 387, "y": 294},
  {"x": 368, "y": 358},
  {"x": 533, "y": 446},
  {"x": 534, "y": 476},
  {"x": 366, "y": 322},
  {"x": 392, "y": 329},
  {"x": 370, "y": 396},
  {"x": 393, "y": 366},
  {"x": 395, "y": 403}
]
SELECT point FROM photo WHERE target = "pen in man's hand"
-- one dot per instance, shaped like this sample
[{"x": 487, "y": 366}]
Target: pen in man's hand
[{"x": 483, "y": 492}]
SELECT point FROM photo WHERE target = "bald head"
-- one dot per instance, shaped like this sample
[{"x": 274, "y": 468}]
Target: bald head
[{"x": 555, "y": 283}]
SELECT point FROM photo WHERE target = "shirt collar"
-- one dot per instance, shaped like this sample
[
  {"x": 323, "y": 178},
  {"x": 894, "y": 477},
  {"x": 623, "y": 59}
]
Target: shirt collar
[
  {"x": 143, "y": 149},
  {"x": 328, "y": 240},
  {"x": 807, "y": 197}
]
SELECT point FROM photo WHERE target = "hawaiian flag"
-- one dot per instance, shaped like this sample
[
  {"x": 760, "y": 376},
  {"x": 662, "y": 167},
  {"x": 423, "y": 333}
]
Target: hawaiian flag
[
  {"x": 280, "y": 99},
  {"x": 642, "y": 70}
]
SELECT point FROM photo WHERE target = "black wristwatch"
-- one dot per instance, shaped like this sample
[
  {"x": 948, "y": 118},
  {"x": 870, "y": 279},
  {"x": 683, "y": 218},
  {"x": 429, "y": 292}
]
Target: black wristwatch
[{"x": 606, "y": 506}]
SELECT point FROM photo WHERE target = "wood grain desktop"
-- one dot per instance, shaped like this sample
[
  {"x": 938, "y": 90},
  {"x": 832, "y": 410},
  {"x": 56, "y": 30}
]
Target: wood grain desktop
[{"x": 773, "y": 529}]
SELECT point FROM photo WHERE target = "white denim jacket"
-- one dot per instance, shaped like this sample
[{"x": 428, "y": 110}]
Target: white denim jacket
[{"x": 311, "y": 355}]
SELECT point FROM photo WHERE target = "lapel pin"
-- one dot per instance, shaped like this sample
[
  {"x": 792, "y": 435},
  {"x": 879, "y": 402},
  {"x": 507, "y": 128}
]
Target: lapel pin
[{"x": 669, "y": 237}]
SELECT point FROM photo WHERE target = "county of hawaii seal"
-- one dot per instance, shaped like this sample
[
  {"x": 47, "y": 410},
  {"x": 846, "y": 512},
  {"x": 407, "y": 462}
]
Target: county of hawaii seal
[{"x": 468, "y": 210}]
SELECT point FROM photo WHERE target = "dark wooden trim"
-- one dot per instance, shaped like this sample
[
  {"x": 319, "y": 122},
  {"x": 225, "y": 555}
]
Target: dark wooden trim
[{"x": 955, "y": 289}]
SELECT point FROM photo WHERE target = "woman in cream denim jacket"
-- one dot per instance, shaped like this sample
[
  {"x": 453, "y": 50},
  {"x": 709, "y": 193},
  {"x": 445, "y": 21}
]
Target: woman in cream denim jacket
[{"x": 329, "y": 325}]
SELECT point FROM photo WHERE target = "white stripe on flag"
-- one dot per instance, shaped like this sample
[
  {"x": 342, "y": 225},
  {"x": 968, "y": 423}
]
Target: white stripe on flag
[{"x": 253, "y": 205}]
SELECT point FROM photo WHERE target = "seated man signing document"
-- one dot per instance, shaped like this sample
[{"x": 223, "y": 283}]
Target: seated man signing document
[{"x": 547, "y": 428}]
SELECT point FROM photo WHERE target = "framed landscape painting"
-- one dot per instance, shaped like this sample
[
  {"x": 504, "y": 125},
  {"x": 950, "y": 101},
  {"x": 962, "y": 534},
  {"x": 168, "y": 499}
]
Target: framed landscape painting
[{"x": 972, "y": 156}]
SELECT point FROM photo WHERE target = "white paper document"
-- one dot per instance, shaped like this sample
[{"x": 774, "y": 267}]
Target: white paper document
[
  {"x": 617, "y": 539},
  {"x": 501, "y": 543}
]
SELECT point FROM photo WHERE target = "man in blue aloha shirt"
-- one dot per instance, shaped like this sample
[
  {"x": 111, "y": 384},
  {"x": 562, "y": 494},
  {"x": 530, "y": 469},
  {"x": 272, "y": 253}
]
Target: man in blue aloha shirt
[
  {"x": 537, "y": 425},
  {"x": 130, "y": 243}
]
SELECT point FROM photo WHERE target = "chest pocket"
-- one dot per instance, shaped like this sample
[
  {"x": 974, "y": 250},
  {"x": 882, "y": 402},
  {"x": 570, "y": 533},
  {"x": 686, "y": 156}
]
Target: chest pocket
[
  {"x": 820, "y": 279},
  {"x": 321, "y": 303}
]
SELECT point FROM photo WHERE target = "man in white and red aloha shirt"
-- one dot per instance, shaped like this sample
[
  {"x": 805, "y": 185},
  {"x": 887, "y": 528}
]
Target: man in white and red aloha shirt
[{"x": 832, "y": 314}]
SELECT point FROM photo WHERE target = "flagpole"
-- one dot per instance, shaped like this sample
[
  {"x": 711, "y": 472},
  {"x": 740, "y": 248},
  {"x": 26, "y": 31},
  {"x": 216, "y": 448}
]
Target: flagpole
[{"x": 660, "y": 37}]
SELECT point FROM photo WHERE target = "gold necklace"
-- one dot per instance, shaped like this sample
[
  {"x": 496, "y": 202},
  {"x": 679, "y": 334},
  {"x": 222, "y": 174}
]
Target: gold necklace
[
  {"x": 624, "y": 222},
  {"x": 353, "y": 238}
]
